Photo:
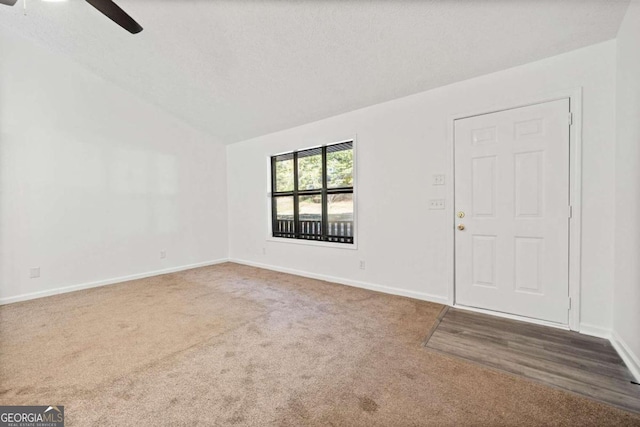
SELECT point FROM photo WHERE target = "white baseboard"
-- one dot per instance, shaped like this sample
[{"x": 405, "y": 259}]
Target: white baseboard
[
  {"x": 595, "y": 331},
  {"x": 55, "y": 291},
  {"x": 357, "y": 284},
  {"x": 630, "y": 359}
]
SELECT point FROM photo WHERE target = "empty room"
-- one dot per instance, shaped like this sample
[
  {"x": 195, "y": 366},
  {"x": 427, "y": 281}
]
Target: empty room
[{"x": 319, "y": 213}]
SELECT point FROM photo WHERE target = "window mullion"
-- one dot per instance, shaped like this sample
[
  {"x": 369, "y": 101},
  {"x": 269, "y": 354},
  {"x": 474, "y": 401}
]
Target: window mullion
[
  {"x": 296, "y": 199},
  {"x": 340, "y": 190},
  {"x": 325, "y": 219}
]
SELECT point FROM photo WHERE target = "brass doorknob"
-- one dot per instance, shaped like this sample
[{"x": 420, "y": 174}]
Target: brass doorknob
[{"x": 460, "y": 227}]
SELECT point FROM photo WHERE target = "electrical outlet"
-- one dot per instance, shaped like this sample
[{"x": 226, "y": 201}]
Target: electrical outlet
[
  {"x": 436, "y": 204},
  {"x": 34, "y": 273},
  {"x": 163, "y": 254},
  {"x": 362, "y": 265},
  {"x": 264, "y": 251},
  {"x": 438, "y": 179}
]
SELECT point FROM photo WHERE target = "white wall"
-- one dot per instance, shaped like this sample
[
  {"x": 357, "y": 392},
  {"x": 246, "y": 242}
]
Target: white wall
[
  {"x": 95, "y": 182},
  {"x": 626, "y": 321},
  {"x": 407, "y": 247}
]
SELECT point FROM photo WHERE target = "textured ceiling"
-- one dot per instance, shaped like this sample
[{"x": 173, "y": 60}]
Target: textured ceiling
[{"x": 239, "y": 69}]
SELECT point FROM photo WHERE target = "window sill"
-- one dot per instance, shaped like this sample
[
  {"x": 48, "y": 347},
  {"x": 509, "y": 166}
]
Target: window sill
[{"x": 348, "y": 246}]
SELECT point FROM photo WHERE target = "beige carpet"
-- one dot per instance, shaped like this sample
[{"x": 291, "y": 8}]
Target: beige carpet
[{"x": 235, "y": 345}]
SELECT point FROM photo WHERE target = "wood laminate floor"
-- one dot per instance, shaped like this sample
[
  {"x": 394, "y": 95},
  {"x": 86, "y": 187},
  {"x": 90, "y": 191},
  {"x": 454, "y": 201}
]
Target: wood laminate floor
[{"x": 579, "y": 363}]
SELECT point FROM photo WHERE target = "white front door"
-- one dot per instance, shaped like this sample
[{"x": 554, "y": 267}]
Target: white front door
[{"x": 512, "y": 199}]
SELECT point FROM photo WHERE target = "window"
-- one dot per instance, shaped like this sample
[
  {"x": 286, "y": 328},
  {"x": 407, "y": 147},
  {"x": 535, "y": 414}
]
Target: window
[{"x": 312, "y": 194}]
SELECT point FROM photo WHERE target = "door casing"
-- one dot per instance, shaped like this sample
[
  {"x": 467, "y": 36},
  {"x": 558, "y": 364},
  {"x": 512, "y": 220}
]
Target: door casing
[{"x": 575, "y": 198}]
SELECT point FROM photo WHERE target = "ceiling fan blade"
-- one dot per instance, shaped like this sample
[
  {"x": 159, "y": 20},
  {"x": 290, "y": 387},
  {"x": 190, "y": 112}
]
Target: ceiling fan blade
[
  {"x": 117, "y": 15},
  {"x": 8, "y": 2}
]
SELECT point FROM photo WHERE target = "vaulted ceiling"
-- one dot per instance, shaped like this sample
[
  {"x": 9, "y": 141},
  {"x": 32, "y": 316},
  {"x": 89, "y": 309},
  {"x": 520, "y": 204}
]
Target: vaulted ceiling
[{"x": 239, "y": 69}]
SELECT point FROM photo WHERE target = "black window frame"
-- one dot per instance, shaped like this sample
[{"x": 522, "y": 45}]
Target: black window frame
[{"x": 343, "y": 232}]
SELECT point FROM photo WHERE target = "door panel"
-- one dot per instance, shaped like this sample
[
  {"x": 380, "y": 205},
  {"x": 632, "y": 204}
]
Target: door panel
[{"x": 512, "y": 184}]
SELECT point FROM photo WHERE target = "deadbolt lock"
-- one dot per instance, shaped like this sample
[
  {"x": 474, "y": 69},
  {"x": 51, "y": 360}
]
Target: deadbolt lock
[
  {"x": 460, "y": 227},
  {"x": 460, "y": 214}
]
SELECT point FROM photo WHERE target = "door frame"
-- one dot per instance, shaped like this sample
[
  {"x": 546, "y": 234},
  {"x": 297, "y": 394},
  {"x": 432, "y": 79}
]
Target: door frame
[{"x": 575, "y": 199}]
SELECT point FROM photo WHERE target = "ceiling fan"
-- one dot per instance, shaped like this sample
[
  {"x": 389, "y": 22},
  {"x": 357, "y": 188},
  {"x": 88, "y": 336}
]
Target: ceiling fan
[{"x": 109, "y": 9}]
